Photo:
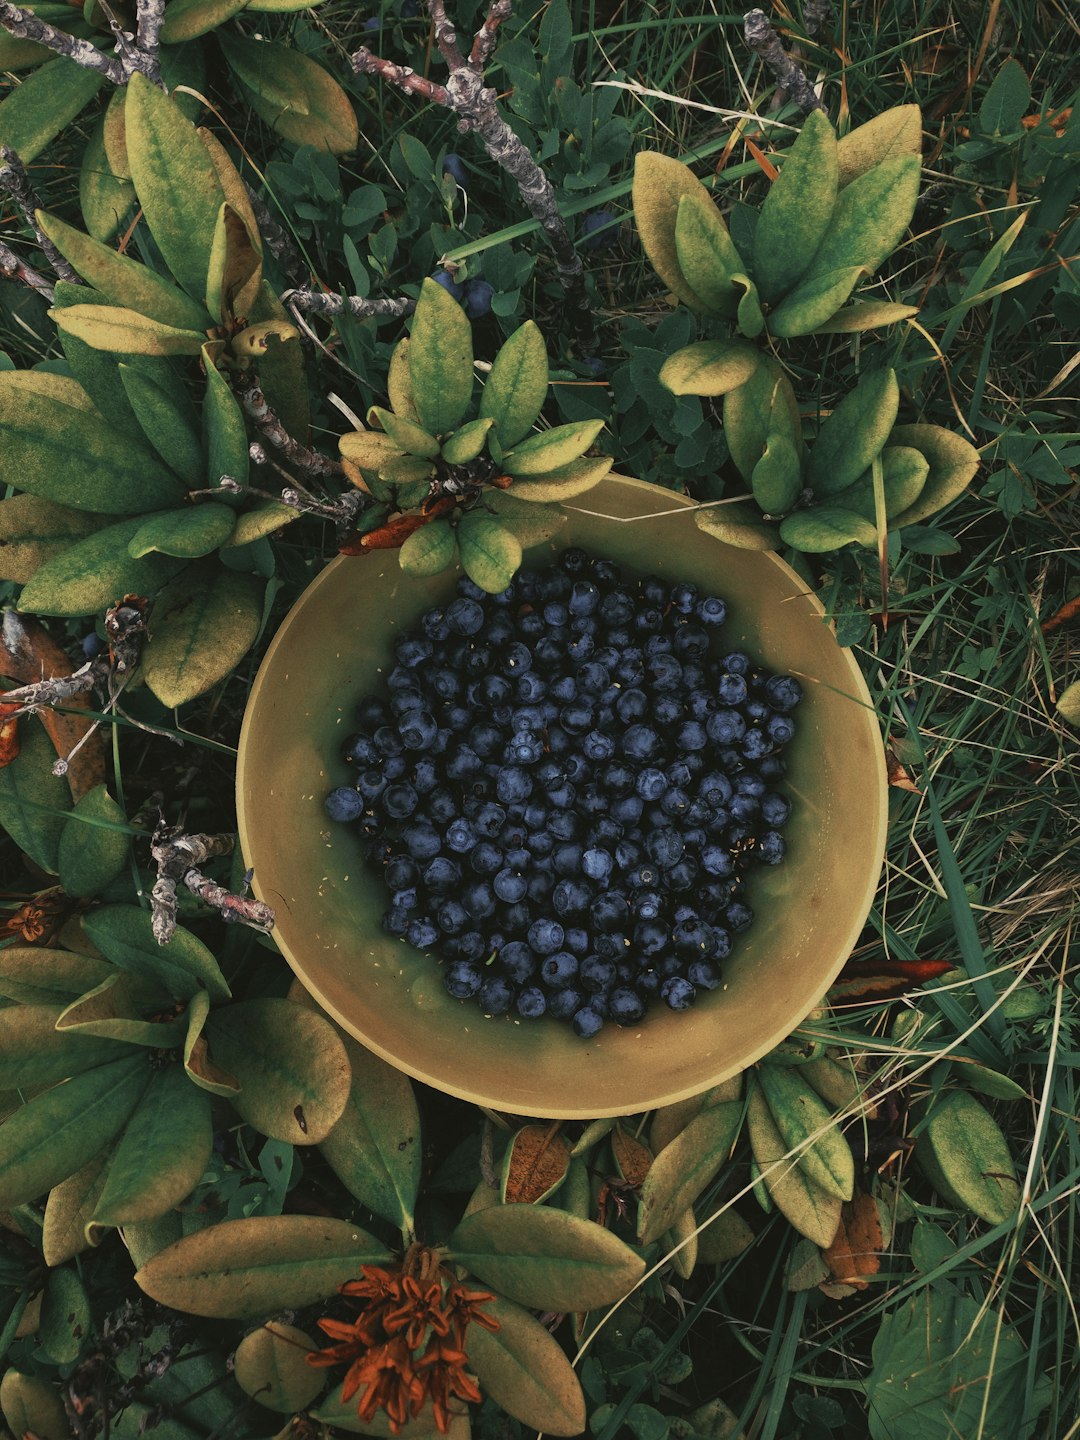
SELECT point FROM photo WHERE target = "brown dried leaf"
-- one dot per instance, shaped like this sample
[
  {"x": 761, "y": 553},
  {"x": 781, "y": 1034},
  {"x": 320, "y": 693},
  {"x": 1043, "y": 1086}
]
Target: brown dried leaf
[
  {"x": 9, "y": 733},
  {"x": 633, "y": 1158},
  {"x": 537, "y": 1160},
  {"x": 898, "y": 775},
  {"x": 855, "y": 1253},
  {"x": 28, "y": 653},
  {"x": 1069, "y": 611}
]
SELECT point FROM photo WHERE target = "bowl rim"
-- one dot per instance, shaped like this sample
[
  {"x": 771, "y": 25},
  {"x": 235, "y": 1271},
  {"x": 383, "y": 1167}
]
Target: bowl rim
[{"x": 859, "y": 692}]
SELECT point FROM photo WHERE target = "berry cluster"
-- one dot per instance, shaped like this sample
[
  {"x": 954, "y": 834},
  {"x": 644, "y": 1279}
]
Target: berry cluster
[{"x": 564, "y": 787}]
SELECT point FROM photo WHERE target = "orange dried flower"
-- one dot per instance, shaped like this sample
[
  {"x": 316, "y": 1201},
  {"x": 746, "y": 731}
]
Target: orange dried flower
[{"x": 419, "y": 1306}]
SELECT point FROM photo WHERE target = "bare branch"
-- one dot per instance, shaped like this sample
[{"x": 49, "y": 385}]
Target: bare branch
[
  {"x": 14, "y": 179},
  {"x": 486, "y": 36},
  {"x": 246, "y": 386},
  {"x": 177, "y": 857},
  {"x": 149, "y": 17},
  {"x": 278, "y": 240},
  {"x": 790, "y": 78},
  {"x": 817, "y": 15},
  {"x": 365, "y": 63},
  {"x": 445, "y": 35},
  {"x": 25, "y": 25},
  {"x": 235, "y": 909},
  {"x": 320, "y": 302},
  {"x": 12, "y": 268}
]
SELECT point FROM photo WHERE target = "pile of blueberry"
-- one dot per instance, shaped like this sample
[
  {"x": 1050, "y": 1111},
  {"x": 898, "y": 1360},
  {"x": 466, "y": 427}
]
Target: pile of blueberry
[{"x": 564, "y": 787}]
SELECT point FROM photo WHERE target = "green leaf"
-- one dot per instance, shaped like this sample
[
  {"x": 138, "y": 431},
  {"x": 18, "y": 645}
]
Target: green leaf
[
  {"x": 224, "y": 429},
  {"x": 292, "y": 93},
  {"x": 709, "y": 367},
  {"x": 777, "y": 478},
  {"x": 544, "y": 1258},
  {"x": 95, "y": 573},
  {"x": 953, "y": 463},
  {"x": 904, "y": 472},
  {"x": 551, "y": 449},
  {"x": 1006, "y": 102},
  {"x": 123, "y": 280},
  {"x": 707, "y": 257},
  {"x": 271, "y": 1368},
  {"x": 260, "y": 521},
  {"x": 764, "y": 405},
  {"x": 399, "y": 383},
  {"x": 124, "y": 935},
  {"x": 35, "y": 112},
  {"x": 944, "y": 1365},
  {"x": 105, "y": 196},
  {"x": 965, "y": 1156},
  {"x": 1068, "y": 704},
  {"x": 33, "y": 1408},
  {"x": 738, "y": 525},
  {"x": 866, "y": 315},
  {"x": 166, "y": 420},
  {"x": 727, "y": 1236},
  {"x": 531, "y": 523},
  {"x": 196, "y": 530},
  {"x": 111, "y": 1012},
  {"x": 892, "y": 133},
  {"x": 659, "y": 184},
  {"x": 798, "y": 1112},
  {"x": 34, "y": 976},
  {"x": 93, "y": 846},
  {"x": 870, "y": 218},
  {"x": 563, "y": 483},
  {"x": 810, "y": 306},
  {"x": 66, "y": 1230},
  {"x": 525, "y": 1371},
  {"x": 243, "y": 1268},
  {"x": 65, "y": 1317},
  {"x": 97, "y": 371},
  {"x": 993, "y": 1083},
  {"x": 413, "y": 439},
  {"x": 682, "y": 1170},
  {"x": 810, "y": 1210},
  {"x": 63, "y": 451},
  {"x": 291, "y": 1064},
  {"x": 855, "y": 434},
  {"x": 825, "y": 527},
  {"x": 517, "y": 385},
  {"x": 750, "y": 319},
  {"x": 235, "y": 268},
  {"x": 175, "y": 180},
  {"x": 188, "y": 19},
  {"x": 162, "y": 1153},
  {"x": 281, "y": 369},
  {"x": 198, "y": 1066},
  {"x": 440, "y": 360},
  {"x": 797, "y": 210},
  {"x": 33, "y": 530},
  {"x": 35, "y": 1053},
  {"x": 429, "y": 550},
  {"x": 59, "y": 1132},
  {"x": 490, "y": 553},
  {"x": 202, "y": 626},
  {"x": 374, "y": 1149},
  {"x": 467, "y": 443},
  {"x": 33, "y": 801}
]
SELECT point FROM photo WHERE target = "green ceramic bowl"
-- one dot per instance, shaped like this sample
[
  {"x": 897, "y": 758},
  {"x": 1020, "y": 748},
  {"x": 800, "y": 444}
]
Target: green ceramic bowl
[{"x": 333, "y": 648}]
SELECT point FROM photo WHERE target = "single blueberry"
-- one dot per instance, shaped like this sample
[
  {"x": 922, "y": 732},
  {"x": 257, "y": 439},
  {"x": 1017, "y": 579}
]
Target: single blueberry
[
  {"x": 559, "y": 969},
  {"x": 711, "y": 610},
  {"x": 599, "y": 230},
  {"x": 478, "y": 295},
  {"x": 783, "y": 692},
  {"x": 447, "y": 281},
  {"x": 463, "y": 979},
  {"x": 545, "y": 936},
  {"x": 344, "y": 804},
  {"x": 422, "y": 933},
  {"x": 625, "y": 1006},
  {"x": 563, "y": 1003},
  {"x": 587, "y": 1022},
  {"x": 678, "y": 993},
  {"x": 400, "y": 800},
  {"x": 451, "y": 163},
  {"x": 531, "y": 1003},
  {"x": 496, "y": 995},
  {"x": 452, "y": 917}
]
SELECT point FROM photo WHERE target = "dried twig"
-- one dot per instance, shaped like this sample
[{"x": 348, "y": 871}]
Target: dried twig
[
  {"x": 790, "y": 78},
  {"x": 245, "y": 384},
  {"x": 474, "y": 104},
  {"x": 25, "y": 25},
  {"x": 14, "y": 179},
  {"x": 320, "y": 302},
  {"x": 278, "y": 240},
  {"x": 12, "y": 268},
  {"x": 150, "y": 15},
  {"x": 177, "y": 857}
]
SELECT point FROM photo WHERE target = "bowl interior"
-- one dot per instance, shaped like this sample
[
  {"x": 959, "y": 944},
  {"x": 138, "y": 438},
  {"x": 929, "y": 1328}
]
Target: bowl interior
[{"x": 333, "y": 648}]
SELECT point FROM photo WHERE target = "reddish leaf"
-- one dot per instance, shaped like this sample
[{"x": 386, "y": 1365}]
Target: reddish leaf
[
  {"x": 884, "y": 979},
  {"x": 855, "y": 1253},
  {"x": 633, "y": 1159},
  {"x": 897, "y": 774},
  {"x": 9, "y": 732},
  {"x": 767, "y": 167},
  {"x": 536, "y": 1164},
  {"x": 1069, "y": 611}
]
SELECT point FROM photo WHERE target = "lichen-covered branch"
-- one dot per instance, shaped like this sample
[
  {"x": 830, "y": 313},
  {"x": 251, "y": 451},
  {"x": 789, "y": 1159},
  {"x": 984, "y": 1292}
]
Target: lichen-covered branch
[
  {"x": 12, "y": 268},
  {"x": 25, "y": 25},
  {"x": 817, "y": 15},
  {"x": 278, "y": 240},
  {"x": 177, "y": 857},
  {"x": 320, "y": 302},
  {"x": 790, "y": 77},
  {"x": 14, "y": 179},
  {"x": 246, "y": 387},
  {"x": 475, "y": 106},
  {"x": 150, "y": 14}
]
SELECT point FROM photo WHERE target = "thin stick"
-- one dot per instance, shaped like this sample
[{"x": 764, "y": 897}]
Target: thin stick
[
  {"x": 12, "y": 268},
  {"x": 278, "y": 240},
  {"x": 246, "y": 387},
  {"x": 790, "y": 78},
  {"x": 25, "y": 25},
  {"x": 320, "y": 302},
  {"x": 14, "y": 179}
]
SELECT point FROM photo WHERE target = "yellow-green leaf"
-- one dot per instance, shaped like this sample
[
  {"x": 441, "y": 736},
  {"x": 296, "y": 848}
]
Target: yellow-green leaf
[
  {"x": 855, "y": 434},
  {"x": 166, "y": 418},
  {"x": 369, "y": 449},
  {"x": 517, "y": 385},
  {"x": 31, "y": 1407},
  {"x": 545, "y": 1258},
  {"x": 777, "y": 477},
  {"x": 815, "y": 299},
  {"x": 93, "y": 844},
  {"x": 822, "y": 528},
  {"x": 188, "y": 19},
  {"x": 224, "y": 429},
  {"x": 33, "y": 530},
  {"x": 293, "y": 1070},
  {"x": 953, "y": 463},
  {"x": 904, "y": 472},
  {"x": 659, "y": 184},
  {"x": 870, "y": 217},
  {"x": 440, "y": 360},
  {"x": 797, "y": 210},
  {"x": 193, "y": 531},
  {"x": 95, "y": 573},
  {"x": 67, "y": 1229},
  {"x": 551, "y": 449},
  {"x": 563, "y": 483},
  {"x": 34, "y": 976},
  {"x": 531, "y": 523},
  {"x": 894, "y": 132},
  {"x": 105, "y": 196},
  {"x": 293, "y": 93},
  {"x": 402, "y": 470},
  {"x": 798, "y": 1112},
  {"x": 763, "y": 405},
  {"x": 750, "y": 318},
  {"x": 271, "y": 1368},
  {"x": 399, "y": 383},
  {"x": 35, "y": 112},
  {"x": 467, "y": 443},
  {"x": 706, "y": 254},
  {"x": 35, "y": 1053},
  {"x": 724, "y": 1238},
  {"x": 176, "y": 182},
  {"x": 866, "y": 315},
  {"x": 429, "y": 550},
  {"x": 413, "y": 439},
  {"x": 1068, "y": 704},
  {"x": 670, "y": 1120},
  {"x": 683, "y": 1168},
  {"x": 739, "y": 525},
  {"x": 235, "y": 268},
  {"x": 202, "y": 626},
  {"x": 965, "y": 1156},
  {"x": 525, "y": 1371},
  {"x": 490, "y": 553},
  {"x": 810, "y": 1210},
  {"x": 33, "y": 801},
  {"x": 111, "y": 1011},
  {"x": 262, "y": 520},
  {"x": 243, "y": 1268},
  {"x": 58, "y": 448},
  {"x": 162, "y": 1153},
  {"x": 709, "y": 367}
]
